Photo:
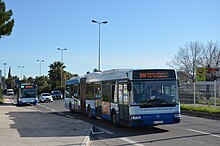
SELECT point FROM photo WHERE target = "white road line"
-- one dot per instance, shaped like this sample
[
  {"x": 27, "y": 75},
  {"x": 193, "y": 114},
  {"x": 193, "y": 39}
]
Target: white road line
[
  {"x": 131, "y": 141},
  {"x": 204, "y": 133},
  {"x": 48, "y": 108},
  {"x": 69, "y": 116},
  {"x": 55, "y": 111},
  {"x": 104, "y": 130}
]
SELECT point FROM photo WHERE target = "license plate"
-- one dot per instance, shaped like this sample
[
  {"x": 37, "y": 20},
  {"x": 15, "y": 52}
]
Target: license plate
[{"x": 158, "y": 122}]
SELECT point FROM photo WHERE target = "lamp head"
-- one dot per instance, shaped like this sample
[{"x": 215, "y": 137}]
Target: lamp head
[{"x": 94, "y": 21}]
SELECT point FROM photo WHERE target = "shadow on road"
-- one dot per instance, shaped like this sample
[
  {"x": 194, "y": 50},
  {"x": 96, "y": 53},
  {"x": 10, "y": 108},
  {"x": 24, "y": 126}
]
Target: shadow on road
[
  {"x": 114, "y": 131},
  {"x": 37, "y": 124}
]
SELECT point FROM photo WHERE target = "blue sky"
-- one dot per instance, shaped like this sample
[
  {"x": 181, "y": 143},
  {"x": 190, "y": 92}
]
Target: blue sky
[{"x": 139, "y": 33}]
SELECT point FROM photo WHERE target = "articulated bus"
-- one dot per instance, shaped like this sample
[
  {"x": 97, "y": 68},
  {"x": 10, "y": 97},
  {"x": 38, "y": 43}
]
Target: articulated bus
[
  {"x": 27, "y": 94},
  {"x": 146, "y": 97}
]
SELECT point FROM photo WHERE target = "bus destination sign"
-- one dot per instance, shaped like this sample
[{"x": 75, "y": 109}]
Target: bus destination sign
[
  {"x": 27, "y": 86},
  {"x": 154, "y": 74}
]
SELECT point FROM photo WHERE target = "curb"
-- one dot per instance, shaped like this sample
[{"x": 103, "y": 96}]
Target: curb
[
  {"x": 86, "y": 141},
  {"x": 10, "y": 101},
  {"x": 201, "y": 114}
]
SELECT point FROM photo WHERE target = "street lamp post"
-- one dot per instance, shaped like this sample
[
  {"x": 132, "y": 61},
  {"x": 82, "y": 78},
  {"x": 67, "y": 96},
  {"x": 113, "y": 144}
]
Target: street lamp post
[
  {"x": 61, "y": 53},
  {"x": 99, "y": 58},
  {"x": 4, "y": 69},
  {"x": 21, "y": 67},
  {"x": 61, "y": 77},
  {"x": 40, "y": 64}
]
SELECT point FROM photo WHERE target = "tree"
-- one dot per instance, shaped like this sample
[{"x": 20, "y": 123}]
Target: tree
[
  {"x": 9, "y": 72},
  {"x": 68, "y": 75},
  {"x": 6, "y": 23},
  {"x": 43, "y": 84},
  {"x": 188, "y": 58},
  {"x": 211, "y": 55},
  {"x": 55, "y": 73},
  {"x": 30, "y": 80},
  {"x": 10, "y": 82}
]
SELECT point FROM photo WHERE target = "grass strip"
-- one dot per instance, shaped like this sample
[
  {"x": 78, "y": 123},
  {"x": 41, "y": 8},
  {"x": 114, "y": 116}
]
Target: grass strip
[{"x": 201, "y": 108}]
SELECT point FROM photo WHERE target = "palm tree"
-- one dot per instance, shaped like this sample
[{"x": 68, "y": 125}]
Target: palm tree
[{"x": 55, "y": 72}]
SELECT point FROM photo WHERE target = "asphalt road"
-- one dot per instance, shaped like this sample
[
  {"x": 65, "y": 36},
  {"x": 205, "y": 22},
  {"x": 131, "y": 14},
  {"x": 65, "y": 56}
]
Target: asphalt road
[
  {"x": 192, "y": 131},
  {"x": 40, "y": 126}
]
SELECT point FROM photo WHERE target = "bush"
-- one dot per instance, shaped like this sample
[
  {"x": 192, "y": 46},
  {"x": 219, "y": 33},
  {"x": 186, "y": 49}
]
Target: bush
[
  {"x": 201, "y": 108},
  {"x": 1, "y": 96}
]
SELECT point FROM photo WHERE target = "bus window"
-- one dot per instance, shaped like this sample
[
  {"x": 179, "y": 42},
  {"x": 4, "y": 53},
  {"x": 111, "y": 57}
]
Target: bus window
[
  {"x": 98, "y": 91},
  {"x": 115, "y": 93},
  {"x": 105, "y": 92},
  {"x": 75, "y": 91},
  {"x": 112, "y": 91},
  {"x": 90, "y": 91},
  {"x": 68, "y": 92}
]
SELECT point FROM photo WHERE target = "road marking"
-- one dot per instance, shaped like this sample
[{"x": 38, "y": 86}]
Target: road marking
[
  {"x": 53, "y": 110},
  {"x": 204, "y": 133},
  {"x": 131, "y": 141},
  {"x": 69, "y": 116},
  {"x": 56, "y": 111},
  {"x": 47, "y": 108},
  {"x": 104, "y": 130}
]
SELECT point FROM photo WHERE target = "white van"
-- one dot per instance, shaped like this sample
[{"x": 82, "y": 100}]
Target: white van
[{"x": 10, "y": 92}]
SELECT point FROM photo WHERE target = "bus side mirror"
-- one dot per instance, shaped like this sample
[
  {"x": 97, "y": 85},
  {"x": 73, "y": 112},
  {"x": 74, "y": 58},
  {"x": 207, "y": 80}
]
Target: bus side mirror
[{"x": 129, "y": 86}]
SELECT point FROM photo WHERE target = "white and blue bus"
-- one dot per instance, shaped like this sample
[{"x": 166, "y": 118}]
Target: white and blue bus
[
  {"x": 27, "y": 94},
  {"x": 130, "y": 97}
]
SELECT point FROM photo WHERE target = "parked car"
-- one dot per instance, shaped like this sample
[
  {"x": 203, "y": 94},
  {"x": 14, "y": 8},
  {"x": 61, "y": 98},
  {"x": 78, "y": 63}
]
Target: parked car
[
  {"x": 10, "y": 92},
  {"x": 45, "y": 97},
  {"x": 57, "y": 94}
]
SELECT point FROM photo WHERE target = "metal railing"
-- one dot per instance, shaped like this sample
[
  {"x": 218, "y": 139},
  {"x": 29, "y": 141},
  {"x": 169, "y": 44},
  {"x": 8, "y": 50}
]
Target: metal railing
[{"x": 207, "y": 93}]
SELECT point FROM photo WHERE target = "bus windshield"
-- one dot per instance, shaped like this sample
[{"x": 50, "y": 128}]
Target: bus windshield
[
  {"x": 29, "y": 93},
  {"x": 154, "y": 93}
]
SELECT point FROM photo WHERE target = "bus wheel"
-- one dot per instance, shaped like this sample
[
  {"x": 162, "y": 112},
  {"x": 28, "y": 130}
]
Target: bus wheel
[
  {"x": 89, "y": 113},
  {"x": 115, "y": 120},
  {"x": 70, "y": 107}
]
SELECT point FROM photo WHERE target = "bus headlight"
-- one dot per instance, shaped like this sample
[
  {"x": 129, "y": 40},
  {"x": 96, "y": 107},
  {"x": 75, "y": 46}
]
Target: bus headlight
[
  {"x": 135, "y": 117},
  {"x": 177, "y": 115}
]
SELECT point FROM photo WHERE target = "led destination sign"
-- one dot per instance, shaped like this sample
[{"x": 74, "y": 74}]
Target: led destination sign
[
  {"x": 28, "y": 86},
  {"x": 154, "y": 74}
]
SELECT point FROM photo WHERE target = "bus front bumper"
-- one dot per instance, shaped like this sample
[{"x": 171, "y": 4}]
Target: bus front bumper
[{"x": 154, "y": 119}]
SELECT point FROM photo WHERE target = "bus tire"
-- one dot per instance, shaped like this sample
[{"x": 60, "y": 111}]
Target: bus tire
[
  {"x": 115, "y": 119},
  {"x": 89, "y": 112},
  {"x": 70, "y": 107}
]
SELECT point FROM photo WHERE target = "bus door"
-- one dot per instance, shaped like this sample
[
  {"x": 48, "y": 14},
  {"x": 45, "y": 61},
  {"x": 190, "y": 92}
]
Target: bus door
[
  {"x": 83, "y": 95},
  {"x": 123, "y": 102},
  {"x": 76, "y": 97}
]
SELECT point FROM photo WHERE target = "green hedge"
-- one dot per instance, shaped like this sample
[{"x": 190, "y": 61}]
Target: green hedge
[
  {"x": 1, "y": 96},
  {"x": 201, "y": 108}
]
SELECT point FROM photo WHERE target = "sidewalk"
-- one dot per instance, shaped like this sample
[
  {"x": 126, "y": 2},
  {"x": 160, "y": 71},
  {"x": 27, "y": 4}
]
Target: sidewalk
[{"x": 24, "y": 126}]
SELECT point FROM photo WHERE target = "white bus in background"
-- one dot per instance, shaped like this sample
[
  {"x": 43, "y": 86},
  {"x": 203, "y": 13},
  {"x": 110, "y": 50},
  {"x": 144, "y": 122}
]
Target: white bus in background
[{"x": 27, "y": 94}]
